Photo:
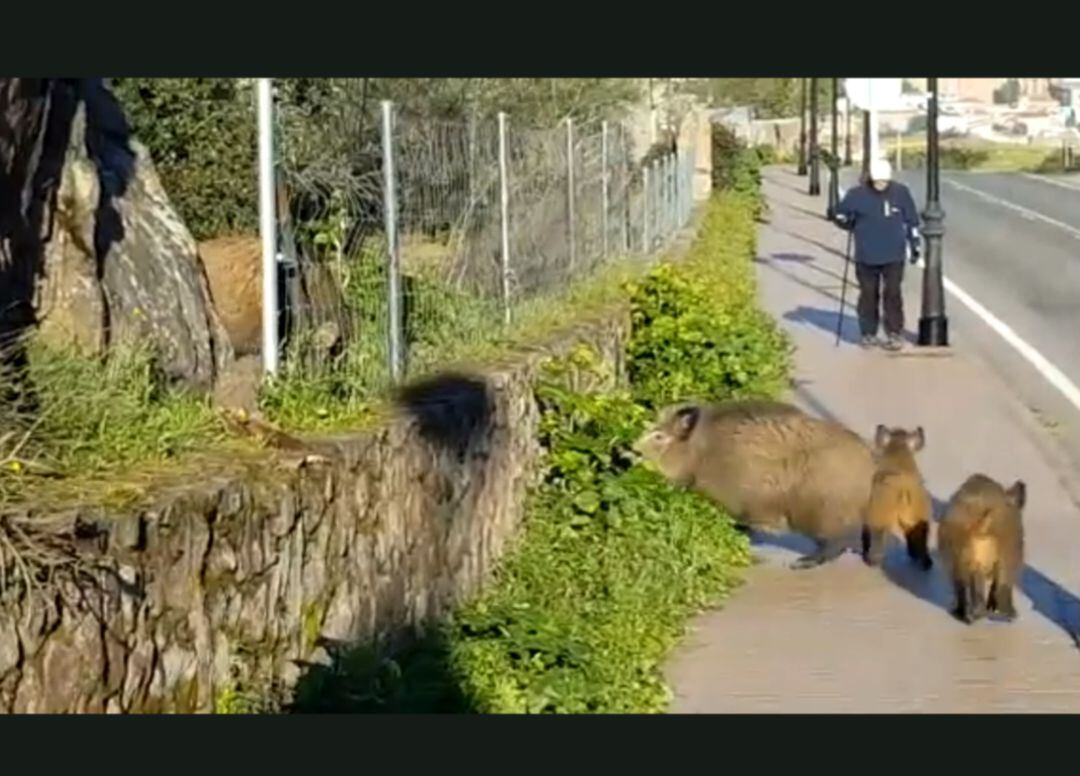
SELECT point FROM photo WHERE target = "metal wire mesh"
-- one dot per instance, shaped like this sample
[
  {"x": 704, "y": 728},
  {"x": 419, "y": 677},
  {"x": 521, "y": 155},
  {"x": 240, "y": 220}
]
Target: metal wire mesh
[{"x": 576, "y": 197}]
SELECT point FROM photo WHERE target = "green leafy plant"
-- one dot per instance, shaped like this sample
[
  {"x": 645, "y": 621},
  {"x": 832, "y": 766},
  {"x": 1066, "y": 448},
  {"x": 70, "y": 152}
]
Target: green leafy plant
[
  {"x": 737, "y": 167},
  {"x": 613, "y": 562},
  {"x": 698, "y": 332}
]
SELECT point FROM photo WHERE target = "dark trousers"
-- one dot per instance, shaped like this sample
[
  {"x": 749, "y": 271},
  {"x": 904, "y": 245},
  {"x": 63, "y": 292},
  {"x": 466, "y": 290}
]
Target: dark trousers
[{"x": 871, "y": 279}]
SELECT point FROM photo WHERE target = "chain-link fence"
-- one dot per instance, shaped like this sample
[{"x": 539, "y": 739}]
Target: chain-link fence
[{"x": 405, "y": 236}]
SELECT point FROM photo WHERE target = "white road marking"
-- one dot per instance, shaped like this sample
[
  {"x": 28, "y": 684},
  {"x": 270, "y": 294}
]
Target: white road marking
[
  {"x": 1030, "y": 215},
  {"x": 1052, "y": 181},
  {"x": 1042, "y": 365}
]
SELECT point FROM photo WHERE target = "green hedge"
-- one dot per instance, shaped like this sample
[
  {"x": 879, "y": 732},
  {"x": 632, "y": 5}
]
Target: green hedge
[
  {"x": 698, "y": 331},
  {"x": 201, "y": 134},
  {"x": 613, "y": 560},
  {"x": 736, "y": 167}
]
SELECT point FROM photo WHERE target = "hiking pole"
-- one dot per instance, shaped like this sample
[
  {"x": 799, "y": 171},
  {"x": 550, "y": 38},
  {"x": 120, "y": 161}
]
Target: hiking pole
[{"x": 843, "y": 285}]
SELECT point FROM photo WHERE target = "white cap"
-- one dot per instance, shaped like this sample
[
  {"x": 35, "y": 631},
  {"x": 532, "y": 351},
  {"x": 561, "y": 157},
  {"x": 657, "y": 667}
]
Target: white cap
[{"x": 880, "y": 170}]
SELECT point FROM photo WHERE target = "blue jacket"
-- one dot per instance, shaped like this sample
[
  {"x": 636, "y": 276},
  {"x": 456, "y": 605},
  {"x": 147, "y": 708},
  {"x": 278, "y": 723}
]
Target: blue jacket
[{"x": 884, "y": 221}]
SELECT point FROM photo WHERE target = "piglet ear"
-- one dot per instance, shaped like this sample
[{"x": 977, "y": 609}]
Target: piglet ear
[
  {"x": 1018, "y": 494},
  {"x": 686, "y": 419},
  {"x": 881, "y": 435},
  {"x": 918, "y": 440}
]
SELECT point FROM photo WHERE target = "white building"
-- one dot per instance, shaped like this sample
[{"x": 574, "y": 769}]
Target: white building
[{"x": 1071, "y": 91}]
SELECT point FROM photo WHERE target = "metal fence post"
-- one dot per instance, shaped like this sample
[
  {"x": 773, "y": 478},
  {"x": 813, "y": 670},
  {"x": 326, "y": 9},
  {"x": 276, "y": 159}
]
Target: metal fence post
[
  {"x": 661, "y": 205},
  {"x": 669, "y": 169},
  {"x": 676, "y": 205},
  {"x": 669, "y": 203},
  {"x": 676, "y": 209},
  {"x": 393, "y": 268},
  {"x": 645, "y": 246},
  {"x": 471, "y": 170},
  {"x": 604, "y": 186},
  {"x": 625, "y": 178},
  {"x": 570, "y": 226},
  {"x": 688, "y": 204},
  {"x": 268, "y": 227},
  {"x": 504, "y": 201},
  {"x": 682, "y": 189},
  {"x": 657, "y": 206}
]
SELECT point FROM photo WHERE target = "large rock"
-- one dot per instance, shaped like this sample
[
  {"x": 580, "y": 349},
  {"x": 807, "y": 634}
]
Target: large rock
[{"x": 115, "y": 260}]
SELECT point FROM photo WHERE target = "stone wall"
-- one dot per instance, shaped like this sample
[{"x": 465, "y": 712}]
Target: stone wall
[{"x": 259, "y": 564}]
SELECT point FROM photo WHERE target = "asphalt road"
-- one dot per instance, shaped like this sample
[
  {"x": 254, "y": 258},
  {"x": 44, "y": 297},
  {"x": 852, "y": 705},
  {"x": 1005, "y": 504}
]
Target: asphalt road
[{"x": 1013, "y": 243}]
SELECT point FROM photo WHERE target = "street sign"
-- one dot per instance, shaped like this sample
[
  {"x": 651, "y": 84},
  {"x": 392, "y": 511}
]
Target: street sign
[{"x": 874, "y": 93}]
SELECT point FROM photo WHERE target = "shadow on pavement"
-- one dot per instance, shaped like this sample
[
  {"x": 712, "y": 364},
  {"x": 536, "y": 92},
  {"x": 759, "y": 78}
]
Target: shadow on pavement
[
  {"x": 809, "y": 241},
  {"x": 818, "y": 214},
  {"x": 1047, "y": 597},
  {"x": 826, "y": 320},
  {"x": 798, "y": 188},
  {"x": 1052, "y": 601}
]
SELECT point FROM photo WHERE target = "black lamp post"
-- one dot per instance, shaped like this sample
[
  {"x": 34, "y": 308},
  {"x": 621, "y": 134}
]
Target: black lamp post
[
  {"x": 802, "y": 130},
  {"x": 834, "y": 159},
  {"x": 815, "y": 150},
  {"x": 847, "y": 132},
  {"x": 933, "y": 325},
  {"x": 866, "y": 145}
]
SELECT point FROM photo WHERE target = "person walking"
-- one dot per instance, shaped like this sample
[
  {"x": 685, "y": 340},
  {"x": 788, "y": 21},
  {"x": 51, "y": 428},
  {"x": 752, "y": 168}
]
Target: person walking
[{"x": 885, "y": 222}]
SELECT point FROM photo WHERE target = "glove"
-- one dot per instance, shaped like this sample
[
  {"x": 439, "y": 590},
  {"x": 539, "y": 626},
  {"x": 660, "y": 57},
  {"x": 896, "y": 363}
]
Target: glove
[{"x": 916, "y": 252}]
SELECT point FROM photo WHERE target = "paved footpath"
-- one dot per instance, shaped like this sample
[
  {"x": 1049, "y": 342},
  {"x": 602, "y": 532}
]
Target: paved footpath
[{"x": 847, "y": 638}]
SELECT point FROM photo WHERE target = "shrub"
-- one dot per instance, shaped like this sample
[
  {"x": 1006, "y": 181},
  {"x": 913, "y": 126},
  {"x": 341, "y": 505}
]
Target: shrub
[
  {"x": 613, "y": 562},
  {"x": 200, "y": 132},
  {"x": 736, "y": 167},
  {"x": 767, "y": 154},
  {"x": 698, "y": 332}
]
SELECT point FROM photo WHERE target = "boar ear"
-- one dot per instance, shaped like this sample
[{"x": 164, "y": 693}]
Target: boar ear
[
  {"x": 685, "y": 421},
  {"x": 1018, "y": 494},
  {"x": 918, "y": 440}
]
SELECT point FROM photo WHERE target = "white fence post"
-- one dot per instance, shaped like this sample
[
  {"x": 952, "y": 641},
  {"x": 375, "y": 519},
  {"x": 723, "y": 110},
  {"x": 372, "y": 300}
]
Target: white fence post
[
  {"x": 268, "y": 228},
  {"x": 625, "y": 178},
  {"x": 393, "y": 268},
  {"x": 645, "y": 246},
  {"x": 670, "y": 200},
  {"x": 504, "y": 200},
  {"x": 604, "y": 194},
  {"x": 570, "y": 225},
  {"x": 664, "y": 196}
]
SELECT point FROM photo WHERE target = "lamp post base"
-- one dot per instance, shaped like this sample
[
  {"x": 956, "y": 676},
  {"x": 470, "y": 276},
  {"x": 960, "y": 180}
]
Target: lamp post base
[{"x": 934, "y": 332}]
